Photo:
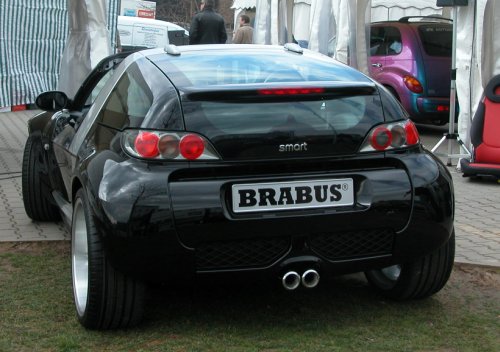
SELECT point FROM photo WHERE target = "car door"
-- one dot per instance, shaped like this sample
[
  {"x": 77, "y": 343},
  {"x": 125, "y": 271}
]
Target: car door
[
  {"x": 68, "y": 121},
  {"x": 377, "y": 51}
]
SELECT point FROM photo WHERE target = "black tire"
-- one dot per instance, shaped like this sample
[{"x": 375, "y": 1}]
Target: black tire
[
  {"x": 37, "y": 197},
  {"x": 419, "y": 279},
  {"x": 104, "y": 298}
]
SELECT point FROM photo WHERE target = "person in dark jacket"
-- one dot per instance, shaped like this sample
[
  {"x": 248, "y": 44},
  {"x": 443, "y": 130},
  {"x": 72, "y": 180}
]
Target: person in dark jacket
[{"x": 207, "y": 26}]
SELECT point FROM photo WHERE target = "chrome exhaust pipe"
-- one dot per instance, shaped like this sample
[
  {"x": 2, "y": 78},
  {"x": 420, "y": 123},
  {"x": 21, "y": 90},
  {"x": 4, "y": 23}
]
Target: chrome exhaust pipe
[
  {"x": 291, "y": 280},
  {"x": 310, "y": 278}
]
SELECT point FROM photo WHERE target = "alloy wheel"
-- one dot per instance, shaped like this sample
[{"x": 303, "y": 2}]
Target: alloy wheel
[{"x": 79, "y": 257}]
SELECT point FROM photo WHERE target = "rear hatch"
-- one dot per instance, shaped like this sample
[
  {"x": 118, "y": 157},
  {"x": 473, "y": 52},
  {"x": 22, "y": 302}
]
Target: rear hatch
[
  {"x": 283, "y": 121},
  {"x": 289, "y": 168},
  {"x": 436, "y": 42}
]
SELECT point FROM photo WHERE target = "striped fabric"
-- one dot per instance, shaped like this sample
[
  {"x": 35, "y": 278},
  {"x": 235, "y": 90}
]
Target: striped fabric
[
  {"x": 32, "y": 38},
  {"x": 113, "y": 12}
]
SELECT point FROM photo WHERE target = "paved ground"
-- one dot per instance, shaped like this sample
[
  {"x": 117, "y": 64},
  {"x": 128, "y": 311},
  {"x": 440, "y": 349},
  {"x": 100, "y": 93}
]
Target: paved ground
[{"x": 477, "y": 222}]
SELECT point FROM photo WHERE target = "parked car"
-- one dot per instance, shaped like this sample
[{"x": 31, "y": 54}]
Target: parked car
[
  {"x": 142, "y": 33},
  {"x": 413, "y": 60},
  {"x": 235, "y": 160}
]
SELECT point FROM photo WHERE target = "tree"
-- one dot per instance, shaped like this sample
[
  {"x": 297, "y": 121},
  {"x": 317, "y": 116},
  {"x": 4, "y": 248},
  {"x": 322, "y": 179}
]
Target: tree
[{"x": 182, "y": 11}]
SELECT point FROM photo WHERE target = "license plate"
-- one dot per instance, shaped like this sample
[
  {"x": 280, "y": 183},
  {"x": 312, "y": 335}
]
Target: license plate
[{"x": 292, "y": 195}]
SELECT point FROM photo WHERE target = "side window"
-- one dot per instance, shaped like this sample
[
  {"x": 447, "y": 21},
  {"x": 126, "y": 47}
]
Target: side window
[
  {"x": 377, "y": 46},
  {"x": 129, "y": 101},
  {"x": 127, "y": 105},
  {"x": 385, "y": 41},
  {"x": 93, "y": 95},
  {"x": 393, "y": 41}
]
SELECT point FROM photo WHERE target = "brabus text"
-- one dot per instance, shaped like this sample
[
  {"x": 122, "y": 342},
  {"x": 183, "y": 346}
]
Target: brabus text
[{"x": 289, "y": 195}]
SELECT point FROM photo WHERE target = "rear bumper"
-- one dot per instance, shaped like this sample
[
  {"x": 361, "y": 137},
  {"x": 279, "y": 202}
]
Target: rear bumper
[
  {"x": 144, "y": 239},
  {"x": 426, "y": 109}
]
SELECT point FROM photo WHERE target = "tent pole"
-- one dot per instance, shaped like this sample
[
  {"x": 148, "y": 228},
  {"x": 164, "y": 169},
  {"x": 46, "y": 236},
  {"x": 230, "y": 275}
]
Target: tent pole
[
  {"x": 451, "y": 135},
  {"x": 453, "y": 87}
]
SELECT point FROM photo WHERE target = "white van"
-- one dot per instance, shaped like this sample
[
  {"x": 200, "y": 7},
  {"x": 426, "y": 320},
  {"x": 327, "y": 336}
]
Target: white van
[{"x": 140, "y": 33}]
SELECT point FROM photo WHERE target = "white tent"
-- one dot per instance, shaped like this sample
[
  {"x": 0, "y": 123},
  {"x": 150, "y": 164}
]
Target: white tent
[
  {"x": 88, "y": 43},
  {"x": 331, "y": 26},
  {"x": 340, "y": 28},
  {"x": 385, "y": 10},
  {"x": 240, "y": 7},
  {"x": 478, "y": 56}
]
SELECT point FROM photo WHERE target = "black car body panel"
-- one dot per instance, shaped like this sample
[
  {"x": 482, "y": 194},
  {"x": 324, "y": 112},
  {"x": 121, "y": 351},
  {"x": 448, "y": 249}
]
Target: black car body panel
[
  {"x": 190, "y": 221},
  {"x": 160, "y": 219}
]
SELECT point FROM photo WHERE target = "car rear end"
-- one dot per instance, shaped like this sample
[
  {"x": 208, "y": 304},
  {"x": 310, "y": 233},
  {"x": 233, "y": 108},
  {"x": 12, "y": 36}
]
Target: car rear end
[
  {"x": 435, "y": 41},
  {"x": 287, "y": 162}
]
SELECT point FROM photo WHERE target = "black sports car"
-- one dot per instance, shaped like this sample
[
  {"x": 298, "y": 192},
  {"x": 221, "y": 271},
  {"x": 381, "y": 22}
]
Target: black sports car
[{"x": 267, "y": 160}]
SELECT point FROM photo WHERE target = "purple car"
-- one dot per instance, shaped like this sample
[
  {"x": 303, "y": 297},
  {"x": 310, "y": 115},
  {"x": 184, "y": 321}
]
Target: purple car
[{"x": 413, "y": 61}]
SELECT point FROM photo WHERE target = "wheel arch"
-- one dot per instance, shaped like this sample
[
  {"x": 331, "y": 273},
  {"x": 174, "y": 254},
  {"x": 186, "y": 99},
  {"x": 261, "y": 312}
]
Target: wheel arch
[{"x": 39, "y": 123}]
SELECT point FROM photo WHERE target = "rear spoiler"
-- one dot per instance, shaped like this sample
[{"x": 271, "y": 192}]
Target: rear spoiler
[{"x": 278, "y": 91}]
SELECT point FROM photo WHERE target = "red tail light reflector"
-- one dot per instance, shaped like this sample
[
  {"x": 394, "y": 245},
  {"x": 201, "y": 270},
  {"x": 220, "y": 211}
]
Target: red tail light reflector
[
  {"x": 391, "y": 136},
  {"x": 413, "y": 84},
  {"x": 291, "y": 91},
  {"x": 443, "y": 108},
  {"x": 191, "y": 146},
  {"x": 412, "y": 136},
  {"x": 146, "y": 144}
]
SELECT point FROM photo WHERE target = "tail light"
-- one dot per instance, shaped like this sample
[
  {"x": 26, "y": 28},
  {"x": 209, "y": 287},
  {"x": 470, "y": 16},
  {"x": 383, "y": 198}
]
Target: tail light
[
  {"x": 191, "y": 146},
  {"x": 391, "y": 136},
  {"x": 291, "y": 91},
  {"x": 159, "y": 145},
  {"x": 413, "y": 84},
  {"x": 146, "y": 144}
]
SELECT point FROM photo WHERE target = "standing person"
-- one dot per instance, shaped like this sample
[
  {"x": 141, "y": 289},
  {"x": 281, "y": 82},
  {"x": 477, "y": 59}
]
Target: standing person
[
  {"x": 207, "y": 26},
  {"x": 244, "y": 34}
]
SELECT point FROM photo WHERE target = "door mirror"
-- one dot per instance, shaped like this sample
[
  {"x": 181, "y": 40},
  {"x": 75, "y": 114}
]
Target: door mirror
[{"x": 52, "y": 101}]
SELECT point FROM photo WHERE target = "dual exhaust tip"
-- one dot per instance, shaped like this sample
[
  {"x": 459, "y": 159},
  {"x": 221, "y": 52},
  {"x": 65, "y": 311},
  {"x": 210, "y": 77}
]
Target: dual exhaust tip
[{"x": 309, "y": 279}]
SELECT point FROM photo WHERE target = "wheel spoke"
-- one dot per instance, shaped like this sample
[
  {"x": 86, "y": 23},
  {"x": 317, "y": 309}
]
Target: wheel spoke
[{"x": 79, "y": 257}]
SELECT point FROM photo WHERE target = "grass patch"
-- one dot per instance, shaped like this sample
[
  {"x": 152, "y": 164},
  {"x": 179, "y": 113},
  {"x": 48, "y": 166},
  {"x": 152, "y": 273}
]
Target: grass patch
[{"x": 343, "y": 314}]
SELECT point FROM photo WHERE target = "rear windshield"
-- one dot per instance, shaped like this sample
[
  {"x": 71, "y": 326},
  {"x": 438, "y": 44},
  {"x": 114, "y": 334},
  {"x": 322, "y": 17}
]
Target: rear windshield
[
  {"x": 333, "y": 115},
  {"x": 436, "y": 39},
  {"x": 238, "y": 67},
  {"x": 341, "y": 122}
]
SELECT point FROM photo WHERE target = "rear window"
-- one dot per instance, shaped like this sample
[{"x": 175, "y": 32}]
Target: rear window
[
  {"x": 436, "y": 39},
  {"x": 238, "y": 67},
  {"x": 333, "y": 115}
]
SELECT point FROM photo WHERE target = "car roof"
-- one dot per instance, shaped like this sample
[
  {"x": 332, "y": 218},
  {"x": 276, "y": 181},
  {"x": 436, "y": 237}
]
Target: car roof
[
  {"x": 229, "y": 47},
  {"x": 252, "y": 50},
  {"x": 427, "y": 20}
]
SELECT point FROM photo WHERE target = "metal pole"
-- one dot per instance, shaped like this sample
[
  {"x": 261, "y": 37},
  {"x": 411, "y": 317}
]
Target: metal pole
[
  {"x": 451, "y": 135},
  {"x": 453, "y": 88}
]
